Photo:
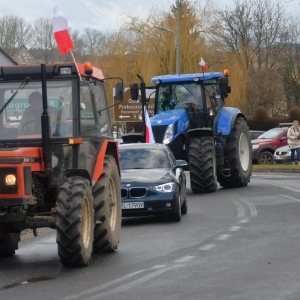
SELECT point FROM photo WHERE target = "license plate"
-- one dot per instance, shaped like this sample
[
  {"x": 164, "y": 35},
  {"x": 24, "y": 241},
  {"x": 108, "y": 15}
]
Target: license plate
[{"x": 132, "y": 205}]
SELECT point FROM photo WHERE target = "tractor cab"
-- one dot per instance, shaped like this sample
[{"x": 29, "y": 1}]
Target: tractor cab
[{"x": 186, "y": 101}]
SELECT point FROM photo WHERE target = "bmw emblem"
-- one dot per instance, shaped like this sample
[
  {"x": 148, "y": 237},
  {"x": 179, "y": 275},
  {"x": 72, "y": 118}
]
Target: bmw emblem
[{"x": 128, "y": 185}]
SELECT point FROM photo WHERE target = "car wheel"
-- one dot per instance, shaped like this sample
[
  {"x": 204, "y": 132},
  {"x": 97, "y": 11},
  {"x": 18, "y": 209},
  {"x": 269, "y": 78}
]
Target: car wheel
[
  {"x": 176, "y": 217},
  {"x": 265, "y": 158},
  {"x": 184, "y": 207}
]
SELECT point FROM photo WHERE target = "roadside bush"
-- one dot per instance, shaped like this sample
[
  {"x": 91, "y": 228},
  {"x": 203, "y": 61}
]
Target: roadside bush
[{"x": 294, "y": 114}]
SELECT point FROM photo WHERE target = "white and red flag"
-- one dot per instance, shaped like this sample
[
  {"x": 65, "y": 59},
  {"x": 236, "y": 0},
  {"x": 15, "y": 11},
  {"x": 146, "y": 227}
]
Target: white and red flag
[
  {"x": 61, "y": 34},
  {"x": 149, "y": 132},
  {"x": 203, "y": 64}
]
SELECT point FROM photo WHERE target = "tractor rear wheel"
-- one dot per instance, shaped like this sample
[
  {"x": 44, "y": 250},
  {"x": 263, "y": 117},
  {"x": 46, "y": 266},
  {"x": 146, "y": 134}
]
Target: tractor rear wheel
[
  {"x": 202, "y": 165},
  {"x": 238, "y": 155},
  {"x": 75, "y": 222},
  {"x": 108, "y": 208},
  {"x": 8, "y": 243}
]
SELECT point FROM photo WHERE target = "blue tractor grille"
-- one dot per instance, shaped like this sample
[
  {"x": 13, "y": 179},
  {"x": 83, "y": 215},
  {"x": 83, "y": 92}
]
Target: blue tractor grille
[{"x": 159, "y": 132}]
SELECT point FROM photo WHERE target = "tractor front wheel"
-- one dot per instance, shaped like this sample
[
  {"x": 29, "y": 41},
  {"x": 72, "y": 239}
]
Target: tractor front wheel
[
  {"x": 108, "y": 208},
  {"x": 75, "y": 222},
  {"x": 202, "y": 165},
  {"x": 8, "y": 243}
]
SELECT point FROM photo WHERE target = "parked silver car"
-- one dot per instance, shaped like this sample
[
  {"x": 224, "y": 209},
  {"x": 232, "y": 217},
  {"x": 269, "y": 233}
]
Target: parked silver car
[{"x": 283, "y": 155}]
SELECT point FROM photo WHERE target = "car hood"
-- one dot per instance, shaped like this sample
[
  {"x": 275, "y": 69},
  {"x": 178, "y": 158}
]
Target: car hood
[
  {"x": 259, "y": 141},
  {"x": 145, "y": 176}
]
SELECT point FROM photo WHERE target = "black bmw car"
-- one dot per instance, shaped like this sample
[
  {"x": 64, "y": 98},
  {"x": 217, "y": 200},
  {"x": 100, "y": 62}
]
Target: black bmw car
[{"x": 152, "y": 181}]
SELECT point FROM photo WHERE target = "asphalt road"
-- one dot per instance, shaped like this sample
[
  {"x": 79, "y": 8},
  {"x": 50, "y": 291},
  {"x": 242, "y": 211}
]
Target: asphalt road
[{"x": 232, "y": 244}]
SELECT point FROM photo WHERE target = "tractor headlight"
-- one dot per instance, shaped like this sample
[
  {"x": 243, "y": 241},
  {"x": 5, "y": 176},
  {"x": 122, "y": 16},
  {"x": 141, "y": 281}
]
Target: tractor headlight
[
  {"x": 10, "y": 179},
  {"x": 165, "y": 188},
  {"x": 168, "y": 134}
]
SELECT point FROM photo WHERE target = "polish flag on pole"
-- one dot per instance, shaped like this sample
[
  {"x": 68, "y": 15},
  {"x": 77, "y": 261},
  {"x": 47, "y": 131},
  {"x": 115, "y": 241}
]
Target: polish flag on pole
[
  {"x": 61, "y": 34},
  {"x": 203, "y": 64},
  {"x": 149, "y": 132}
]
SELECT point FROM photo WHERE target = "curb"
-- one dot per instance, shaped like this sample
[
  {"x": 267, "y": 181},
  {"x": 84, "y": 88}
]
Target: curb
[{"x": 277, "y": 170}]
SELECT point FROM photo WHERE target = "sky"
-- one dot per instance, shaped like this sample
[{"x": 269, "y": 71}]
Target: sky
[{"x": 101, "y": 14}]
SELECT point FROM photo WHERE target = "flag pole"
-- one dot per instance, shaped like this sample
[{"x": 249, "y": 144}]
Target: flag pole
[{"x": 75, "y": 64}]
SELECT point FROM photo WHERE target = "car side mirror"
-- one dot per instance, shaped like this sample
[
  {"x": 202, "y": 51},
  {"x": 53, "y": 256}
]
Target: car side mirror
[
  {"x": 283, "y": 138},
  {"x": 181, "y": 163}
]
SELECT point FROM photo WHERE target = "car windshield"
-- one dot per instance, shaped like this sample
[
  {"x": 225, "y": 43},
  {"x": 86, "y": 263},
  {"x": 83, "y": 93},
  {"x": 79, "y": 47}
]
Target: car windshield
[
  {"x": 143, "y": 159},
  {"x": 272, "y": 133}
]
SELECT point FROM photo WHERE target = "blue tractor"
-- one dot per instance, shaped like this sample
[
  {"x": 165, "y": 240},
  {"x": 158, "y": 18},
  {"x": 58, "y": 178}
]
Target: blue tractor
[{"x": 190, "y": 117}]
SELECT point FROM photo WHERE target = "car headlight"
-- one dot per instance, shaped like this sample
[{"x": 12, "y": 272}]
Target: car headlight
[
  {"x": 168, "y": 134},
  {"x": 165, "y": 188},
  {"x": 255, "y": 146}
]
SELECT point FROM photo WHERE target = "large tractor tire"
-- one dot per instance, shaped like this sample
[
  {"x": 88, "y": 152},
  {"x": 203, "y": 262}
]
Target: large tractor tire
[
  {"x": 75, "y": 222},
  {"x": 202, "y": 165},
  {"x": 238, "y": 154},
  {"x": 108, "y": 208},
  {"x": 8, "y": 243}
]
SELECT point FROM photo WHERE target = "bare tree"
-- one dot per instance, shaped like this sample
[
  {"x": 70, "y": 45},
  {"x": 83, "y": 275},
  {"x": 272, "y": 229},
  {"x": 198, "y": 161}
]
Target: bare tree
[
  {"x": 14, "y": 32},
  {"x": 290, "y": 65},
  {"x": 93, "y": 40},
  {"x": 253, "y": 31},
  {"x": 43, "y": 39}
]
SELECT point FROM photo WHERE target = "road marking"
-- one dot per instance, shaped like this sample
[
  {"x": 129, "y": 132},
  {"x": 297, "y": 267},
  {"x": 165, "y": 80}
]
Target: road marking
[
  {"x": 290, "y": 198},
  {"x": 234, "y": 228},
  {"x": 206, "y": 247},
  {"x": 240, "y": 209},
  {"x": 133, "y": 283},
  {"x": 222, "y": 237},
  {"x": 252, "y": 208},
  {"x": 109, "y": 283},
  {"x": 184, "y": 259},
  {"x": 284, "y": 187},
  {"x": 244, "y": 221}
]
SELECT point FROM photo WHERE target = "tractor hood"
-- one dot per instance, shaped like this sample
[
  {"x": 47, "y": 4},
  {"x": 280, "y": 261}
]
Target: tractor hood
[{"x": 171, "y": 117}]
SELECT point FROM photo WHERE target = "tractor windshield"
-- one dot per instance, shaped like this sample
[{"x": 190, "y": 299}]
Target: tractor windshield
[
  {"x": 21, "y": 117},
  {"x": 175, "y": 96}
]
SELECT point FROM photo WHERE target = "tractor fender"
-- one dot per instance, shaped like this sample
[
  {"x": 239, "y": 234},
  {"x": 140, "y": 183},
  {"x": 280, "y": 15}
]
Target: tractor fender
[
  {"x": 93, "y": 173},
  {"x": 107, "y": 147},
  {"x": 200, "y": 132},
  {"x": 226, "y": 119}
]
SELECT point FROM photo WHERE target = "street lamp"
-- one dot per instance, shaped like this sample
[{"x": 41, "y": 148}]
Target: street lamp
[
  {"x": 176, "y": 36},
  {"x": 176, "y": 46}
]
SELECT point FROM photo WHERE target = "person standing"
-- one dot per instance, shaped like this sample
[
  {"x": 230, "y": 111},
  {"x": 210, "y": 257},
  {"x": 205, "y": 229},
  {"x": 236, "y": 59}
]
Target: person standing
[
  {"x": 131, "y": 130},
  {"x": 293, "y": 136}
]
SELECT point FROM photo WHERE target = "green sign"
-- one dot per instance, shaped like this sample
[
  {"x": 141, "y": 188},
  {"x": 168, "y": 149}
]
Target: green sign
[{"x": 20, "y": 104}]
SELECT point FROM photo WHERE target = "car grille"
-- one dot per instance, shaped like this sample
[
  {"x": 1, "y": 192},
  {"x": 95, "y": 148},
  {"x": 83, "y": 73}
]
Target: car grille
[
  {"x": 134, "y": 193},
  {"x": 159, "y": 132},
  {"x": 281, "y": 152}
]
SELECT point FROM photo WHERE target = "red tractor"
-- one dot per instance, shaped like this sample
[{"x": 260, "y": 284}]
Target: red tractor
[{"x": 59, "y": 163}]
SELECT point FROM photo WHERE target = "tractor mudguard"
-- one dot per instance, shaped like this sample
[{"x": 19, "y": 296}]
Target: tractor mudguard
[{"x": 226, "y": 119}]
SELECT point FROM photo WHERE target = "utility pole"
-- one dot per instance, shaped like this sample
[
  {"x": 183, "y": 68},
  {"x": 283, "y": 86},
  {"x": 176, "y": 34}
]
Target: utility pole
[{"x": 176, "y": 36}]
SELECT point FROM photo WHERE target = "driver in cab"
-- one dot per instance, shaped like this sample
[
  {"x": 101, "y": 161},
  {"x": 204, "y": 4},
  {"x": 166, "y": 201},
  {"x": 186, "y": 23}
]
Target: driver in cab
[{"x": 31, "y": 120}]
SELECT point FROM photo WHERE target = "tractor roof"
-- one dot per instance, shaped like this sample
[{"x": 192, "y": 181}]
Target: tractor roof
[{"x": 186, "y": 77}]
